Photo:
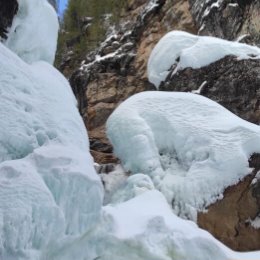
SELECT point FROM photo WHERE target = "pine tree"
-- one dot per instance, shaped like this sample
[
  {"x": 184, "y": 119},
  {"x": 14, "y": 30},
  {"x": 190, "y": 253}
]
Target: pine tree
[{"x": 77, "y": 34}]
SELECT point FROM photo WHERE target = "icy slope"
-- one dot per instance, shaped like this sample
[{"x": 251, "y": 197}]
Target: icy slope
[
  {"x": 192, "y": 147},
  {"x": 182, "y": 49},
  {"x": 33, "y": 34},
  {"x": 49, "y": 188}
]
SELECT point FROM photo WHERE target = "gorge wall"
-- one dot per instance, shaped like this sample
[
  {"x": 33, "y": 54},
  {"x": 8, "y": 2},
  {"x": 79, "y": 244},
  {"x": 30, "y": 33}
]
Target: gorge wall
[{"x": 117, "y": 70}]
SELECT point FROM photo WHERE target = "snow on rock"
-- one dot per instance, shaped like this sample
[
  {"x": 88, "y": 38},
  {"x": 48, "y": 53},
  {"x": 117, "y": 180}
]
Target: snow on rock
[
  {"x": 49, "y": 190},
  {"x": 34, "y": 31},
  {"x": 191, "y": 147},
  {"x": 182, "y": 49},
  {"x": 255, "y": 223}
]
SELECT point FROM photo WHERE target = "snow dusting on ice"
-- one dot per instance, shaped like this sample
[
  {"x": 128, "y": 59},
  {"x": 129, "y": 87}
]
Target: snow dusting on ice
[
  {"x": 190, "y": 146},
  {"x": 183, "y": 50}
]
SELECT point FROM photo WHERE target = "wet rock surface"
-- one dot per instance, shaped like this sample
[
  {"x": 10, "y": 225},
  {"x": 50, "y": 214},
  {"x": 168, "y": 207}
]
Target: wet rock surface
[{"x": 117, "y": 69}]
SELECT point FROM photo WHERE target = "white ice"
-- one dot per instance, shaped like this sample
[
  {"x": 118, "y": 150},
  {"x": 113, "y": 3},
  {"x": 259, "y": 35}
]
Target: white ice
[
  {"x": 48, "y": 186},
  {"x": 33, "y": 34},
  {"x": 192, "y": 147},
  {"x": 183, "y": 50},
  {"x": 144, "y": 228}
]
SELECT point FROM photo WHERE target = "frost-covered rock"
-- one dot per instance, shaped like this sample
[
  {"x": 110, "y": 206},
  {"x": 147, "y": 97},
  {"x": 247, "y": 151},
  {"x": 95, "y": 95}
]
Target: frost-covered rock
[
  {"x": 49, "y": 189},
  {"x": 182, "y": 50},
  {"x": 34, "y": 31},
  {"x": 192, "y": 147}
]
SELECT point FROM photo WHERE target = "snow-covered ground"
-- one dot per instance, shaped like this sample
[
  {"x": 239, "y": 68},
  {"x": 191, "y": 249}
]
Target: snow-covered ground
[
  {"x": 190, "y": 146},
  {"x": 50, "y": 195},
  {"x": 183, "y": 50}
]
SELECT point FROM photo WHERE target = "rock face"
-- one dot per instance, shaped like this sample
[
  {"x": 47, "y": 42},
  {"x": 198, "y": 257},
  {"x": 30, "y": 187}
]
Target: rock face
[
  {"x": 8, "y": 9},
  {"x": 227, "y": 19},
  {"x": 117, "y": 69}
]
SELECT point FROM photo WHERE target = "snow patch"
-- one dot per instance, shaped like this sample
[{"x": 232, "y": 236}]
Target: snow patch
[
  {"x": 255, "y": 223},
  {"x": 183, "y": 50}
]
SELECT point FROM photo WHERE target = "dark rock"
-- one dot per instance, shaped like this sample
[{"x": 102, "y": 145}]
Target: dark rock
[
  {"x": 98, "y": 145},
  {"x": 53, "y": 3},
  {"x": 233, "y": 83},
  {"x": 8, "y": 10},
  {"x": 105, "y": 168}
]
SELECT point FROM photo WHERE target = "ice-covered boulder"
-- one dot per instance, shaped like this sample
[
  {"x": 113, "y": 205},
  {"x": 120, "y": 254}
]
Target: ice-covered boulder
[
  {"x": 49, "y": 191},
  {"x": 192, "y": 147},
  {"x": 182, "y": 50},
  {"x": 34, "y": 31}
]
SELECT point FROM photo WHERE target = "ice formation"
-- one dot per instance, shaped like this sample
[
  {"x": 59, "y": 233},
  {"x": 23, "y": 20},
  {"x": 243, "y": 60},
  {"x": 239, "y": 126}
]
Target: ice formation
[
  {"x": 49, "y": 187},
  {"x": 145, "y": 228},
  {"x": 34, "y": 32},
  {"x": 50, "y": 195},
  {"x": 182, "y": 49},
  {"x": 192, "y": 147}
]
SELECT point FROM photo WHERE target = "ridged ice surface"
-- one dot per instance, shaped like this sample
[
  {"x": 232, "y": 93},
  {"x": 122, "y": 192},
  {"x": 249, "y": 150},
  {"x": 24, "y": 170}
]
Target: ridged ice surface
[
  {"x": 192, "y": 147},
  {"x": 48, "y": 186}
]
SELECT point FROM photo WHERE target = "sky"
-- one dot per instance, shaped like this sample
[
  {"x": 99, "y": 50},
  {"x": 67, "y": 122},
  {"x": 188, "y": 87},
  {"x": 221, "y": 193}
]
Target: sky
[{"x": 62, "y": 5}]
